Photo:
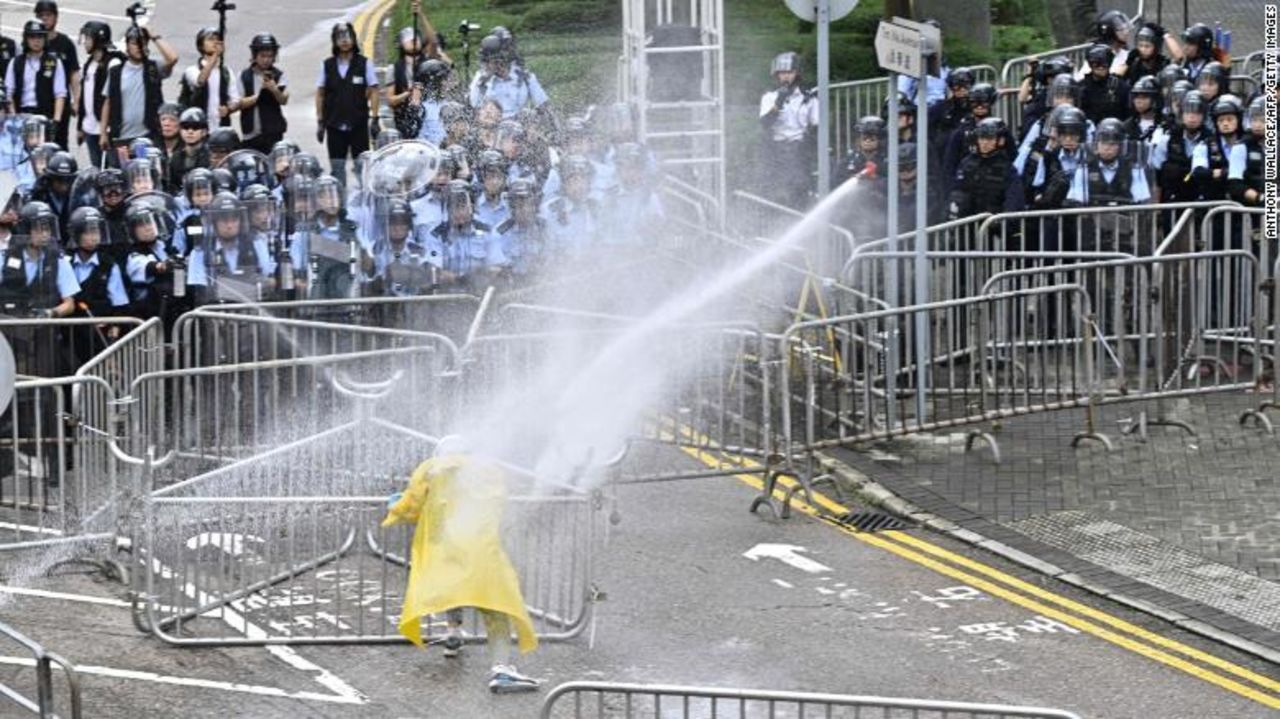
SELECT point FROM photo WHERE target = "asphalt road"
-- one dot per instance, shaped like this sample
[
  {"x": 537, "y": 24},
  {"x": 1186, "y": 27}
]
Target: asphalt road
[{"x": 817, "y": 609}]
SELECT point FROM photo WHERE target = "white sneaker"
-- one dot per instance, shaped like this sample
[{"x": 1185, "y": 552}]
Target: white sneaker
[{"x": 506, "y": 680}]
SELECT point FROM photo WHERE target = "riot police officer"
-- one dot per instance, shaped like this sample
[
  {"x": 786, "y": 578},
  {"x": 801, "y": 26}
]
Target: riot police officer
[
  {"x": 866, "y": 159},
  {"x": 1148, "y": 58},
  {"x": 1212, "y": 82},
  {"x": 1232, "y": 141},
  {"x": 985, "y": 180},
  {"x": 466, "y": 253},
  {"x": 222, "y": 142},
  {"x": 573, "y": 216},
  {"x": 946, "y": 116},
  {"x": 1249, "y": 192},
  {"x": 1063, "y": 154},
  {"x": 193, "y": 129},
  {"x": 491, "y": 208},
  {"x": 1144, "y": 100},
  {"x": 111, "y": 195},
  {"x": 157, "y": 274},
  {"x": 505, "y": 79},
  {"x": 229, "y": 266},
  {"x": 1111, "y": 176},
  {"x": 1103, "y": 94},
  {"x": 524, "y": 234},
  {"x": 35, "y": 278},
  {"x": 1185, "y": 158},
  {"x": 1196, "y": 50},
  {"x": 102, "y": 289},
  {"x": 399, "y": 262},
  {"x": 789, "y": 117}
]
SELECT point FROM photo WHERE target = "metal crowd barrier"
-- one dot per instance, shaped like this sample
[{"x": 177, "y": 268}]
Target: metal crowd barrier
[
  {"x": 602, "y": 700},
  {"x": 56, "y": 347},
  {"x": 58, "y": 474},
  {"x": 443, "y": 314},
  {"x": 286, "y": 547},
  {"x": 712, "y": 385},
  {"x": 1131, "y": 229},
  {"x": 856, "y": 378},
  {"x": 827, "y": 246},
  {"x": 47, "y": 702},
  {"x": 209, "y": 416},
  {"x": 855, "y": 99}
]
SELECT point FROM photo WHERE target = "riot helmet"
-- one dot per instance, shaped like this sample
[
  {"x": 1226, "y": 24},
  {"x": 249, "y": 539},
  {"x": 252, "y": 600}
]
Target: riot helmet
[
  {"x": 1192, "y": 110},
  {"x": 458, "y": 202},
  {"x": 264, "y": 42},
  {"x": 1148, "y": 41},
  {"x": 140, "y": 175},
  {"x": 1062, "y": 90},
  {"x": 1100, "y": 56},
  {"x": 39, "y": 223},
  {"x": 224, "y": 217},
  {"x": 983, "y": 93},
  {"x": 785, "y": 62},
  {"x": 328, "y": 195},
  {"x": 1112, "y": 27},
  {"x": 35, "y": 131},
  {"x": 282, "y": 156},
  {"x": 86, "y": 228},
  {"x": 111, "y": 187},
  {"x": 197, "y": 185},
  {"x": 1070, "y": 128},
  {"x": 1198, "y": 37},
  {"x": 960, "y": 78},
  {"x": 1257, "y": 116},
  {"x": 193, "y": 118},
  {"x": 260, "y": 207},
  {"x": 1110, "y": 140},
  {"x": 576, "y": 172},
  {"x": 143, "y": 222},
  {"x": 1213, "y": 80},
  {"x": 432, "y": 73},
  {"x": 206, "y": 33},
  {"x": 222, "y": 142},
  {"x": 95, "y": 35},
  {"x": 62, "y": 167},
  {"x": 1228, "y": 112}
]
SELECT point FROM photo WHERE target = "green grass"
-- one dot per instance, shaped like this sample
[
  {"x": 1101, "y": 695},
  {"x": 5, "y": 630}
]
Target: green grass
[{"x": 576, "y": 66}]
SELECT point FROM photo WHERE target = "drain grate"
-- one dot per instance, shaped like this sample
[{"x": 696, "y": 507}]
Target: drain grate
[{"x": 871, "y": 521}]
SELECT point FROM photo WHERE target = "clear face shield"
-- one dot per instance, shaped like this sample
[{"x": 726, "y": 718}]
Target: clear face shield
[
  {"x": 40, "y": 159},
  {"x": 264, "y": 216},
  {"x": 42, "y": 233},
  {"x": 281, "y": 160},
  {"x": 140, "y": 176},
  {"x": 328, "y": 198},
  {"x": 34, "y": 132},
  {"x": 145, "y": 228},
  {"x": 301, "y": 203},
  {"x": 226, "y": 226},
  {"x": 89, "y": 237},
  {"x": 200, "y": 191}
]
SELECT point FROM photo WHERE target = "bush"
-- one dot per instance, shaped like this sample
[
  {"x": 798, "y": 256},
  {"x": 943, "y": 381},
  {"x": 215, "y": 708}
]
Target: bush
[{"x": 564, "y": 16}]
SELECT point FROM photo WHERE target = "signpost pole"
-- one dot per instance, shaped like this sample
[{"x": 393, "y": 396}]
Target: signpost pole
[
  {"x": 824, "y": 98},
  {"x": 923, "y": 326}
]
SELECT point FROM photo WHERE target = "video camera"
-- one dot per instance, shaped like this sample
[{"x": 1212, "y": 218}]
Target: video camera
[
  {"x": 222, "y": 6},
  {"x": 138, "y": 14},
  {"x": 466, "y": 27}
]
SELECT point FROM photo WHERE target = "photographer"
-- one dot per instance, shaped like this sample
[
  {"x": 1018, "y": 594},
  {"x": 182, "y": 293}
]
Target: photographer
[
  {"x": 134, "y": 94},
  {"x": 96, "y": 38},
  {"x": 266, "y": 92},
  {"x": 207, "y": 84}
]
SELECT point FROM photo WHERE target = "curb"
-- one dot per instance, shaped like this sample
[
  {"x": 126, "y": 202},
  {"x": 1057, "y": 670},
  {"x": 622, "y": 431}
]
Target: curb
[{"x": 876, "y": 494}]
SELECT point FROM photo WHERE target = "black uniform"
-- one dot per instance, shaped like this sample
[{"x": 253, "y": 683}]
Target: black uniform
[
  {"x": 985, "y": 184},
  {"x": 1108, "y": 97}
]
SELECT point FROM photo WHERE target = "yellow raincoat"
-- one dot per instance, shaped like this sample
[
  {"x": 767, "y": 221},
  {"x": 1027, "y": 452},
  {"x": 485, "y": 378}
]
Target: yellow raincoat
[{"x": 457, "y": 503}]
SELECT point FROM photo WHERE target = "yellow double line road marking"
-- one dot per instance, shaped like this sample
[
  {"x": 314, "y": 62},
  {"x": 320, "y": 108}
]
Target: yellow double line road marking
[
  {"x": 366, "y": 25},
  {"x": 1200, "y": 664}
]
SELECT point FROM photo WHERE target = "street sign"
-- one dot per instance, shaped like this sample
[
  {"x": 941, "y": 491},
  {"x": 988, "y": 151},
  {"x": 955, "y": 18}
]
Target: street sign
[
  {"x": 898, "y": 49},
  {"x": 807, "y": 10},
  {"x": 932, "y": 35}
]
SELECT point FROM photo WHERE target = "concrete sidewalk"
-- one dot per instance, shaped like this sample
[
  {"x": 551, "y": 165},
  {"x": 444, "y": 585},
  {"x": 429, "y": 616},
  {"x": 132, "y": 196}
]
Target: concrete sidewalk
[{"x": 1187, "y": 524}]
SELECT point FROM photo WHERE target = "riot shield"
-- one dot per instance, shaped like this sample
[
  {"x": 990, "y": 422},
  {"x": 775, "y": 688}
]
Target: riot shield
[
  {"x": 248, "y": 167},
  {"x": 402, "y": 169}
]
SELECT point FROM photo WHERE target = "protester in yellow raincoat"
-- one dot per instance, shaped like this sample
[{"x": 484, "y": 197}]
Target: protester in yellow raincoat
[{"x": 456, "y": 502}]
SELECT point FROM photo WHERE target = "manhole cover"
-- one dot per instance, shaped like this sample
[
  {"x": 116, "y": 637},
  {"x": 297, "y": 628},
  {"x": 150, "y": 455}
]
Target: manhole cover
[{"x": 871, "y": 521}]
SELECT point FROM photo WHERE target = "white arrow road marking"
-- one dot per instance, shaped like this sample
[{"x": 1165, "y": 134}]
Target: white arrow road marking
[
  {"x": 194, "y": 682},
  {"x": 787, "y": 554}
]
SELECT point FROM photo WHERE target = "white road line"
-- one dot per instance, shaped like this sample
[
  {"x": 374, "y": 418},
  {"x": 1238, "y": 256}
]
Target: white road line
[
  {"x": 31, "y": 528},
  {"x": 88, "y": 669},
  {"x": 43, "y": 593},
  {"x": 65, "y": 10}
]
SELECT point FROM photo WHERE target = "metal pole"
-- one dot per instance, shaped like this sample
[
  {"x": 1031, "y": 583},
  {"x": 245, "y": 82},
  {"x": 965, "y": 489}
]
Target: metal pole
[
  {"x": 922, "y": 219},
  {"x": 824, "y": 98},
  {"x": 895, "y": 266}
]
